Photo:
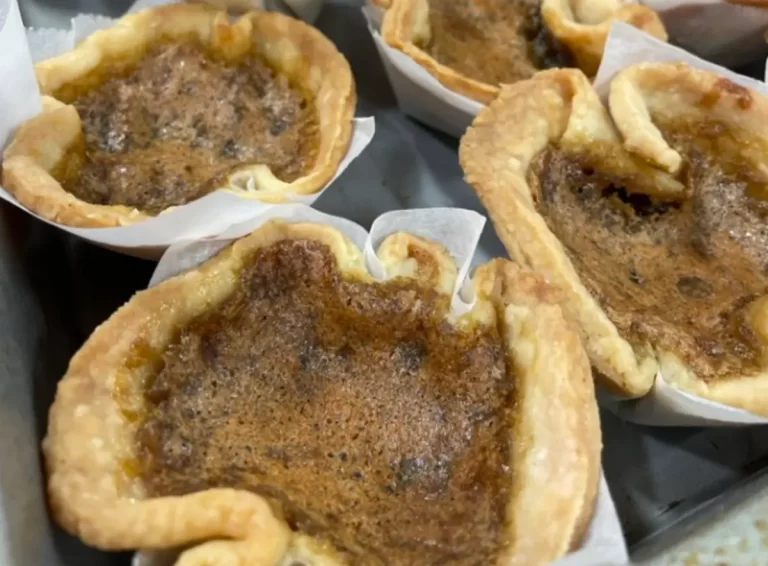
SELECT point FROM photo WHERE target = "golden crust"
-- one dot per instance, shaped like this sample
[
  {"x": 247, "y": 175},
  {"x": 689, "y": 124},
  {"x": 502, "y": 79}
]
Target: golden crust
[
  {"x": 555, "y": 395},
  {"x": 237, "y": 6},
  {"x": 580, "y": 25},
  {"x": 583, "y": 26},
  {"x": 561, "y": 107},
  {"x": 298, "y": 50},
  {"x": 96, "y": 494}
]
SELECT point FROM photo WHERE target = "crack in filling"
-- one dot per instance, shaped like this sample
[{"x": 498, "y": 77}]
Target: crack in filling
[
  {"x": 364, "y": 417},
  {"x": 676, "y": 275},
  {"x": 171, "y": 129},
  {"x": 493, "y": 41}
]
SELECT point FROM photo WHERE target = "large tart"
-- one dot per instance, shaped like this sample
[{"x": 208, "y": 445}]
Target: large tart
[
  {"x": 175, "y": 102},
  {"x": 651, "y": 218},
  {"x": 473, "y": 46},
  {"x": 276, "y": 405}
]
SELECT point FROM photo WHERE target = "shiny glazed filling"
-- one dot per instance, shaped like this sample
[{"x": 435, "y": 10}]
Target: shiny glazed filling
[
  {"x": 171, "y": 129},
  {"x": 493, "y": 41},
  {"x": 363, "y": 416},
  {"x": 680, "y": 275}
]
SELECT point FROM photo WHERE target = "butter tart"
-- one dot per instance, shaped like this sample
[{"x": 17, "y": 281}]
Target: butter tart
[
  {"x": 650, "y": 217},
  {"x": 277, "y": 405},
  {"x": 175, "y": 102},
  {"x": 473, "y": 46}
]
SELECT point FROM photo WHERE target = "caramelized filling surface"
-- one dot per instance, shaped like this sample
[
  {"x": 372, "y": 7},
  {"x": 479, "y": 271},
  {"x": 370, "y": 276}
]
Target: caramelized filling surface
[
  {"x": 171, "y": 129},
  {"x": 492, "y": 41},
  {"x": 677, "y": 275},
  {"x": 365, "y": 418}
]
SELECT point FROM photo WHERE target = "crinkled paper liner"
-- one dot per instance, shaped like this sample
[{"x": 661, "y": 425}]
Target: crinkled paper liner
[
  {"x": 666, "y": 405},
  {"x": 724, "y": 33},
  {"x": 202, "y": 218},
  {"x": 419, "y": 94},
  {"x": 459, "y": 231}
]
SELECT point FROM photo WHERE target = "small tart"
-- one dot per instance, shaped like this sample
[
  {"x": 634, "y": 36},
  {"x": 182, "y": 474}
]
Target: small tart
[
  {"x": 175, "y": 102},
  {"x": 650, "y": 217},
  {"x": 277, "y": 405},
  {"x": 473, "y": 46}
]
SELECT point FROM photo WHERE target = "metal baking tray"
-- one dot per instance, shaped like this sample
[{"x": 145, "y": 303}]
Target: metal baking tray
[{"x": 681, "y": 493}]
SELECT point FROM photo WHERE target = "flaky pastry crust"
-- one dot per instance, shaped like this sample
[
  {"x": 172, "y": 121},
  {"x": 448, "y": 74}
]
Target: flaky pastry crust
[
  {"x": 560, "y": 107},
  {"x": 581, "y": 25},
  {"x": 42, "y": 145},
  {"x": 237, "y": 6},
  {"x": 95, "y": 495}
]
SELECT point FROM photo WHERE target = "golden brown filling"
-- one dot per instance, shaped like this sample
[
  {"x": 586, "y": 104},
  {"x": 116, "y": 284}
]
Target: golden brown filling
[
  {"x": 170, "y": 130},
  {"x": 676, "y": 275},
  {"x": 363, "y": 416},
  {"x": 492, "y": 41}
]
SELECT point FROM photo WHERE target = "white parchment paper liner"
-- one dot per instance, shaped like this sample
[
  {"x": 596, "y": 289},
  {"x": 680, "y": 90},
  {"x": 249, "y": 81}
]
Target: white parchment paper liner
[
  {"x": 419, "y": 94},
  {"x": 628, "y": 46},
  {"x": 666, "y": 405},
  {"x": 16, "y": 103},
  {"x": 204, "y": 217},
  {"x": 720, "y": 32},
  {"x": 459, "y": 231}
]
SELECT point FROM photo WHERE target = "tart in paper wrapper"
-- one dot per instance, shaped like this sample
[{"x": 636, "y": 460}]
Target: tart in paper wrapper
[
  {"x": 205, "y": 217},
  {"x": 459, "y": 231},
  {"x": 666, "y": 405},
  {"x": 422, "y": 96},
  {"x": 419, "y": 94},
  {"x": 718, "y": 31}
]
